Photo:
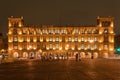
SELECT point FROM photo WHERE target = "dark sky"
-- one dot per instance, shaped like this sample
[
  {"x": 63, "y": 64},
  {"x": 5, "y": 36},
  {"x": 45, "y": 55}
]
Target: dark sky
[{"x": 59, "y": 11}]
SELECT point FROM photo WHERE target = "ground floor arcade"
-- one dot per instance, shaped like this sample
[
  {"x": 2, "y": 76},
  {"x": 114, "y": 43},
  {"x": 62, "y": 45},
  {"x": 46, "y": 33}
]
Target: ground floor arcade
[{"x": 57, "y": 54}]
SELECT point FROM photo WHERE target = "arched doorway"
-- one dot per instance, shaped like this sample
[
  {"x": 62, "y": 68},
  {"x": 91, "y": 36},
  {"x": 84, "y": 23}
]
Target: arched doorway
[
  {"x": 82, "y": 54},
  {"x": 89, "y": 55},
  {"x": 38, "y": 55},
  {"x": 25, "y": 55},
  {"x": 32, "y": 55},
  {"x": 15, "y": 55},
  {"x": 105, "y": 55},
  {"x": 95, "y": 55}
]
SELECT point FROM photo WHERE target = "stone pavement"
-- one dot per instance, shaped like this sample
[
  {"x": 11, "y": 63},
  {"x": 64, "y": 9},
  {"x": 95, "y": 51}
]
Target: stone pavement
[{"x": 87, "y": 69}]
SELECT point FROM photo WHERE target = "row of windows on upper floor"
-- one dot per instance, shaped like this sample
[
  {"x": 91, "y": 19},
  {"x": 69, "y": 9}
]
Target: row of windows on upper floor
[
  {"x": 61, "y": 47},
  {"x": 57, "y": 46},
  {"x": 57, "y": 39},
  {"x": 75, "y": 31}
]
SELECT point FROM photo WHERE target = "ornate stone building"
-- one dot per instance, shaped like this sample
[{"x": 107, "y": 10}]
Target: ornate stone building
[{"x": 34, "y": 41}]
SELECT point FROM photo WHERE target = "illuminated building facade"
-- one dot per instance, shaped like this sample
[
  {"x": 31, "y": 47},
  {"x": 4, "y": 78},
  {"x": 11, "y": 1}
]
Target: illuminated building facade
[{"x": 35, "y": 41}]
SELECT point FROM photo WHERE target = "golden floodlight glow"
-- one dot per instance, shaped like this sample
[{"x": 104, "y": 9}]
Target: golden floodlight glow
[
  {"x": 72, "y": 40},
  {"x": 112, "y": 24},
  {"x": 41, "y": 40},
  {"x": 10, "y": 25},
  {"x": 60, "y": 40},
  {"x": 20, "y": 25},
  {"x": 34, "y": 48},
  {"x": 10, "y": 41},
  {"x": 100, "y": 49},
  {"x": 73, "y": 48},
  {"x": 34, "y": 40},
  {"x": 78, "y": 48},
  {"x": 100, "y": 32},
  {"x": 20, "y": 33},
  {"x": 60, "y": 48},
  {"x": 47, "y": 40},
  {"x": 53, "y": 48},
  {"x": 10, "y": 48},
  {"x": 20, "y": 48},
  {"x": 111, "y": 49},
  {"x": 91, "y": 41},
  {"x": 47, "y": 48},
  {"x": 10, "y": 32},
  {"x": 28, "y": 40}
]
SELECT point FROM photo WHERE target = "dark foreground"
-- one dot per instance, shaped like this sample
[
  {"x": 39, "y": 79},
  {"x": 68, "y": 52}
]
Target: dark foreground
[{"x": 101, "y": 69}]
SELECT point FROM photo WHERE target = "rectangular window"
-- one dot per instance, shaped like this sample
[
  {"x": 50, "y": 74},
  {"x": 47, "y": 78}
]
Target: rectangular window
[
  {"x": 57, "y": 39},
  {"x": 50, "y": 46},
  {"x": 69, "y": 39},
  {"x": 89, "y": 46},
  {"x": 15, "y": 39},
  {"x": 89, "y": 38},
  {"x": 105, "y": 47},
  {"x": 95, "y": 39},
  {"x": 76, "y": 39},
  {"x": 57, "y": 46},
  {"x": 82, "y": 46},
  {"x": 15, "y": 47},
  {"x": 82, "y": 39},
  {"x": 95, "y": 46},
  {"x": 50, "y": 39}
]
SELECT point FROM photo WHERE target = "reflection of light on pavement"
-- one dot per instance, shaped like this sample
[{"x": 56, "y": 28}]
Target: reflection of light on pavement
[{"x": 30, "y": 63}]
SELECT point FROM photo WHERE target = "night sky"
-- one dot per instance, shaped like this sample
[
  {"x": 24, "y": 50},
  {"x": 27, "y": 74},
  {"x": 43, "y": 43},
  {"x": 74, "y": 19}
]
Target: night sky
[{"x": 56, "y": 12}]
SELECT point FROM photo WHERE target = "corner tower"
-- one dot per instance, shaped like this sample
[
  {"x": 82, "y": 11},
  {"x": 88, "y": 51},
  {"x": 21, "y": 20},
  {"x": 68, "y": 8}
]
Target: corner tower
[
  {"x": 14, "y": 24},
  {"x": 106, "y": 33}
]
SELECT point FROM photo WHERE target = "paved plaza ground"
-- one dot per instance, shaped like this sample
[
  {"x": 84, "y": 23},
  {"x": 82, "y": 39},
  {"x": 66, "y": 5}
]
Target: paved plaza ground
[{"x": 87, "y": 69}]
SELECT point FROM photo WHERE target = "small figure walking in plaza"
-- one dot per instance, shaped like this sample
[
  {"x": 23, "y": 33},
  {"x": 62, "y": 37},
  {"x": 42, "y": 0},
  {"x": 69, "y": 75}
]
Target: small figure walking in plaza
[
  {"x": 92, "y": 57},
  {"x": 76, "y": 57}
]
